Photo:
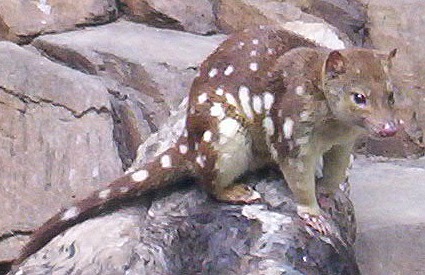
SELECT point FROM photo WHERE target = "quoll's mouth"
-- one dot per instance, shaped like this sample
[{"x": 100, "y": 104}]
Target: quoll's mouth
[
  {"x": 382, "y": 130},
  {"x": 389, "y": 129}
]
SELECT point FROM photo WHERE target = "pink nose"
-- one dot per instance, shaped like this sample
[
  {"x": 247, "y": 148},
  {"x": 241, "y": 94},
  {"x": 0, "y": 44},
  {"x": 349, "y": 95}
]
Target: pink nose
[{"x": 388, "y": 130}]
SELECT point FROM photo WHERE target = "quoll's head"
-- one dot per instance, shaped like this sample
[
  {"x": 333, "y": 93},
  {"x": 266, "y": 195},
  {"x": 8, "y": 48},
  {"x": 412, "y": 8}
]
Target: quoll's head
[{"x": 359, "y": 90}]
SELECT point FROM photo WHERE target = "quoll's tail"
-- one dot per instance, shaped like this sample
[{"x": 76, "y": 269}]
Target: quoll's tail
[{"x": 168, "y": 168}]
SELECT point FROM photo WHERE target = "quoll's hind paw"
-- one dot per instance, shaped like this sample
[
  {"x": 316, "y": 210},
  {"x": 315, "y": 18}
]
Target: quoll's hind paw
[
  {"x": 238, "y": 194},
  {"x": 317, "y": 222}
]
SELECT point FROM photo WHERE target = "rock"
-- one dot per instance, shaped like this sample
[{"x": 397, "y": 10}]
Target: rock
[
  {"x": 388, "y": 198},
  {"x": 233, "y": 15},
  {"x": 194, "y": 16},
  {"x": 150, "y": 77},
  {"x": 20, "y": 21},
  {"x": 397, "y": 24},
  {"x": 57, "y": 144},
  {"x": 349, "y": 17},
  {"x": 185, "y": 232}
]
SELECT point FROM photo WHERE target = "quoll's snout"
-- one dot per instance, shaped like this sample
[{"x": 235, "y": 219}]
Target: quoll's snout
[{"x": 389, "y": 129}]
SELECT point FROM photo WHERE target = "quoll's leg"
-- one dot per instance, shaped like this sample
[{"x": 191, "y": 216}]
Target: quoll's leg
[
  {"x": 335, "y": 164},
  {"x": 299, "y": 174},
  {"x": 232, "y": 158}
]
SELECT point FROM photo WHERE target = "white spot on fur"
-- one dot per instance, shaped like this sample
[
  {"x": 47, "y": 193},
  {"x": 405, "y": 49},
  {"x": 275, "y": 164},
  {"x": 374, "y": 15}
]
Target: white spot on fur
[
  {"x": 270, "y": 51},
  {"x": 253, "y": 53},
  {"x": 185, "y": 133},
  {"x": 70, "y": 214},
  {"x": 255, "y": 41},
  {"x": 288, "y": 127},
  {"x": 227, "y": 128},
  {"x": 269, "y": 126},
  {"x": 140, "y": 175},
  {"x": 207, "y": 137},
  {"x": 124, "y": 189},
  {"x": 268, "y": 101},
  {"x": 257, "y": 104},
  {"x": 229, "y": 70},
  {"x": 104, "y": 194},
  {"x": 253, "y": 66},
  {"x": 241, "y": 44},
  {"x": 166, "y": 161},
  {"x": 219, "y": 91},
  {"x": 183, "y": 149},
  {"x": 200, "y": 160},
  {"x": 244, "y": 98},
  {"x": 202, "y": 98},
  {"x": 196, "y": 146},
  {"x": 299, "y": 90},
  {"x": 217, "y": 111},
  {"x": 231, "y": 99},
  {"x": 213, "y": 72}
]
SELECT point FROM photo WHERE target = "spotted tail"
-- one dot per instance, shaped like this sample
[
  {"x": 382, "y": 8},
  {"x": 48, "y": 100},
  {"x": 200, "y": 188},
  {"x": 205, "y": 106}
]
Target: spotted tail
[{"x": 166, "y": 169}]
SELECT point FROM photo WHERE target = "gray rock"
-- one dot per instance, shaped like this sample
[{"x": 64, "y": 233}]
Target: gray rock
[
  {"x": 57, "y": 145},
  {"x": 388, "y": 198},
  {"x": 21, "y": 21},
  {"x": 194, "y": 16},
  {"x": 185, "y": 232},
  {"x": 348, "y": 16},
  {"x": 234, "y": 15},
  {"x": 152, "y": 70}
]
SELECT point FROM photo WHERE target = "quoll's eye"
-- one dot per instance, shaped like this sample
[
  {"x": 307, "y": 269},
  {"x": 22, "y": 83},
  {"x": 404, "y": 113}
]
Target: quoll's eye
[{"x": 359, "y": 99}]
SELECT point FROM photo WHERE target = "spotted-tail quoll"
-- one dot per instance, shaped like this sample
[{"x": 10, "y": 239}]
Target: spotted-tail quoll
[{"x": 265, "y": 96}]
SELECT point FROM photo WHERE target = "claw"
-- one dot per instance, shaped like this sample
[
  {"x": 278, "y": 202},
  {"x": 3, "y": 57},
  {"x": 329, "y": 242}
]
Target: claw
[{"x": 317, "y": 222}]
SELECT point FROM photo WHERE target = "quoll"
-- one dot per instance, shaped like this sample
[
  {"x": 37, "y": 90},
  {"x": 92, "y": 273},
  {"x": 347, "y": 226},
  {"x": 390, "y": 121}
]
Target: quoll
[{"x": 264, "y": 97}]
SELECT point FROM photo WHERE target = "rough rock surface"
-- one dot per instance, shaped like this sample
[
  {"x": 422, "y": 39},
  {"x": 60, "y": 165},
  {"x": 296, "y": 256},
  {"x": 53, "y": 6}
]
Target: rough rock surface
[
  {"x": 20, "y": 21},
  {"x": 148, "y": 76},
  {"x": 235, "y": 15},
  {"x": 388, "y": 197},
  {"x": 189, "y": 15},
  {"x": 55, "y": 127},
  {"x": 184, "y": 232}
]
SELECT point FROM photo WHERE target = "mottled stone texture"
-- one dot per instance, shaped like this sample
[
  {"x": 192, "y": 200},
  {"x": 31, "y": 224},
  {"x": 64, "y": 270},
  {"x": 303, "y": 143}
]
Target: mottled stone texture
[
  {"x": 55, "y": 146},
  {"x": 189, "y": 15},
  {"x": 185, "y": 232},
  {"x": 20, "y": 20}
]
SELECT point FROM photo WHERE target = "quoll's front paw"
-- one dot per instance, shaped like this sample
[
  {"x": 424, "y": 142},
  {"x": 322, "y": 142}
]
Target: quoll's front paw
[{"x": 318, "y": 222}]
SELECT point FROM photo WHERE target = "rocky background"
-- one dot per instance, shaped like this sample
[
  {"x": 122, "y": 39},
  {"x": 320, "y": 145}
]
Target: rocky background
[{"x": 84, "y": 83}]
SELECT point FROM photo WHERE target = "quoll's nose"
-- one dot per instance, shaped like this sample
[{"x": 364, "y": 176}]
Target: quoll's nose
[{"x": 389, "y": 129}]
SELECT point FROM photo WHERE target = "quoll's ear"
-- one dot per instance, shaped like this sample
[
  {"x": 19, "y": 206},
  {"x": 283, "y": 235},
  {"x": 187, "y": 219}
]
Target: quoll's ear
[{"x": 335, "y": 64}]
